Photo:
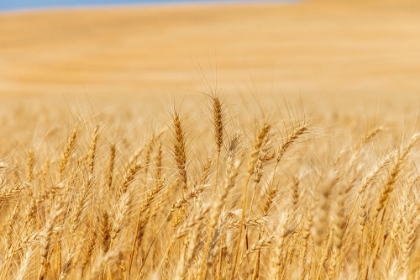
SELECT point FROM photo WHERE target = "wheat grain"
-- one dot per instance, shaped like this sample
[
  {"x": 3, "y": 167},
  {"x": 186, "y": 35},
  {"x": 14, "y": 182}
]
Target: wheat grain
[
  {"x": 179, "y": 150},
  {"x": 67, "y": 152}
]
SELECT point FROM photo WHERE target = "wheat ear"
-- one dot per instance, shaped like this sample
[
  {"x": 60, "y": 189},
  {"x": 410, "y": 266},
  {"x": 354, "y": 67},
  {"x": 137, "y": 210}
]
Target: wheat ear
[
  {"x": 129, "y": 177},
  {"x": 90, "y": 246},
  {"x": 179, "y": 150},
  {"x": 111, "y": 165},
  {"x": 259, "y": 140},
  {"x": 321, "y": 216},
  {"x": 67, "y": 152},
  {"x": 92, "y": 150},
  {"x": 104, "y": 232},
  {"x": 218, "y": 132},
  {"x": 392, "y": 176}
]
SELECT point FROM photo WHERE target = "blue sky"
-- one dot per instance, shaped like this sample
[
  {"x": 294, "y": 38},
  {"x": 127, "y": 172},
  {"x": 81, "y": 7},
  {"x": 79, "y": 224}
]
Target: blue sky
[{"x": 39, "y": 4}]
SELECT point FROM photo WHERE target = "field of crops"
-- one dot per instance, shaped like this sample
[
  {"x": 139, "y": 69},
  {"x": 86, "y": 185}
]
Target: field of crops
[
  {"x": 280, "y": 142},
  {"x": 211, "y": 189}
]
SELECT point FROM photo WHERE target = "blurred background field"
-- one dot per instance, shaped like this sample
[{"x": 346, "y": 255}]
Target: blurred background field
[{"x": 325, "y": 51}]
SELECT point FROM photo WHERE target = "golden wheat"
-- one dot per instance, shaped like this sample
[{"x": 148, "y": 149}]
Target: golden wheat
[{"x": 305, "y": 206}]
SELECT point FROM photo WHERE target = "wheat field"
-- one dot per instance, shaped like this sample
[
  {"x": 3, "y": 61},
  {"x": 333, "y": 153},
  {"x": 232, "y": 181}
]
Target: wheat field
[
  {"x": 307, "y": 173},
  {"x": 210, "y": 190}
]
